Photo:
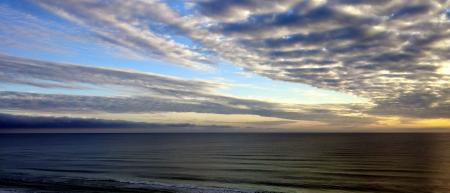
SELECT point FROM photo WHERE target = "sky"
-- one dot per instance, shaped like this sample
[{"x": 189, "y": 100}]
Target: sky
[{"x": 224, "y": 66}]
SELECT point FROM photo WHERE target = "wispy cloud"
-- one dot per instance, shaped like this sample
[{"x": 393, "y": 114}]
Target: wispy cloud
[
  {"x": 46, "y": 35},
  {"x": 142, "y": 27},
  {"x": 58, "y": 75},
  {"x": 157, "y": 93}
]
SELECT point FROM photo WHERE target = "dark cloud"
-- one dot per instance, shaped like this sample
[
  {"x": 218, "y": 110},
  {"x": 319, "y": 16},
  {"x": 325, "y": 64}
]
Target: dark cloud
[
  {"x": 305, "y": 62},
  {"x": 294, "y": 18},
  {"x": 359, "y": 2},
  {"x": 410, "y": 10},
  {"x": 8, "y": 121},
  {"x": 223, "y": 8},
  {"x": 235, "y": 9},
  {"x": 294, "y": 53},
  {"x": 416, "y": 104},
  {"x": 315, "y": 37}
]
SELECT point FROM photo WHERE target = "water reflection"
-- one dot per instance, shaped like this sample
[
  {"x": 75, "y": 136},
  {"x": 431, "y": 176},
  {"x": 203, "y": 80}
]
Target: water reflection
[{"x": 270, "y": 162}]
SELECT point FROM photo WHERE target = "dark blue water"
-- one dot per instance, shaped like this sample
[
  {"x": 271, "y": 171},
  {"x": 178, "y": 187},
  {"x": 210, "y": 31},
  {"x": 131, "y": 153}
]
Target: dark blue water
[{"x": 397, "y": 163}]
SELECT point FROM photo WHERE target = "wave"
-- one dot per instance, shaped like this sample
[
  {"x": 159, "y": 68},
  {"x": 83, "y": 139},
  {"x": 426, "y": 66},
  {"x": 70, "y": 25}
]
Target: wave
[{"x": 19, "y": 183}]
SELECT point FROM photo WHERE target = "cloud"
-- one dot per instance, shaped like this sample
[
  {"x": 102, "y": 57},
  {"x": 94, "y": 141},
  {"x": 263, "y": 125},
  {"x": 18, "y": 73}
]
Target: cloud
[
  {"x": 47, "y": 35},
  {"x": 9, "y": 121},
  {"x": 391, "y": 52},
  {"x": 149, "y": 93},
  {"x": 58, "y": 75},
  {"x": 206, "y": 104},
  {"x": 388, "y": 52},
  {"x": 235, "y": 10},
  {"x": 417, "y": 104},
  {"x": 133, "y": 26}
]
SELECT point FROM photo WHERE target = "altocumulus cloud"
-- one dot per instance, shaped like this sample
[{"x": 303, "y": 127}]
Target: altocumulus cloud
[{"x": 394, "y": 52}]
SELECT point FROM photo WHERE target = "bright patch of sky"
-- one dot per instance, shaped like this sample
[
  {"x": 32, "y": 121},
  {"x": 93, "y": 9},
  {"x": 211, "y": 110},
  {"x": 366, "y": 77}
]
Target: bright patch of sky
[{"x": 252, "y": 86}]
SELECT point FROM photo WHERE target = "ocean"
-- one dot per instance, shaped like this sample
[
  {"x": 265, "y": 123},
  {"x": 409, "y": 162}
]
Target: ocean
[{"x": 220, "y": 162}]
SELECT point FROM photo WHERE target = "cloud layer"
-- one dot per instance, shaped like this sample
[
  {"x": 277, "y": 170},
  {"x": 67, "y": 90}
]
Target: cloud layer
[
  {"x": 8, "y": 121},
  {"x": 57, "y": 75},
  {"x": 132, "y": 26},
  {"x": 145, "y": 93},
  {"x": 391, "y": 52}
]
